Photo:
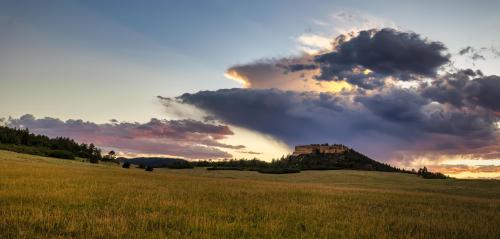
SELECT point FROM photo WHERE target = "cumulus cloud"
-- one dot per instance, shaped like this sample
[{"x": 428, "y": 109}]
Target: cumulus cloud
[
  {"x": 439, "y": 113},
  {"x": 403, "y": 119},
  {"x": 464, "y": 89},
  {"x": 386, "y": 52},
  {"x": 182, "y": 138},
  {"x": 485, "y": 91},
  {"x": 367, "y": 59}
]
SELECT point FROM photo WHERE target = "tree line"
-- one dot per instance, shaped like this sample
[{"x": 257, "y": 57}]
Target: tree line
[
  {"x": 22, "y": 141},
  {"x": 350, "y": 159}
]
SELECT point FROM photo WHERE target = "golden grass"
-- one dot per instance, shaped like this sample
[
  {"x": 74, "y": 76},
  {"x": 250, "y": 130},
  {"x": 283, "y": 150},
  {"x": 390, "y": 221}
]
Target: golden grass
[{"x": 53, "y": 198}]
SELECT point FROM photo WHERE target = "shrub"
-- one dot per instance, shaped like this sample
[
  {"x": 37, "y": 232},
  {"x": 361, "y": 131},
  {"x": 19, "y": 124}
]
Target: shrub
[
  {"x": 149, "y": 168},
  {"x": 180, "y": 165},
  {"x": 226, "y": 168},
  {"x": 62, "y": 154},
  {"x": 279, "y": 170},
  {"x": 424, "y": 173},
  {"x": 430, "y": 175},
  {"x": 126, "y": 165}
]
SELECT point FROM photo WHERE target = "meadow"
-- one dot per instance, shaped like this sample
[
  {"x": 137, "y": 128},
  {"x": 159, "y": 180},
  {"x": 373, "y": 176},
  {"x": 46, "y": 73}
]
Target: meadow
[{"x": 44, "y": 197}]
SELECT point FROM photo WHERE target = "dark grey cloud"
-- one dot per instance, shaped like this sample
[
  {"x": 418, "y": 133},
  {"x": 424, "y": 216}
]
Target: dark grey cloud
[
  {"x": 449, "y": 88},
  {"x": 365, "y": 82},
  {"x": 260, "y": 109},
  {"x": 473, "y": 53},
  {"x": 397, "y": 105},
  {"x": 462, "y": 89},
  {"x": 389, "y": 120},
  {"x": 485, "y": 91},
  {"x": 184, "y": 138},
  {"x": 465, "y": 50},
  {"x": 386, "y": 52},
  {"x": 295, "y": 117},
  {"x": 299, "y": 67}
]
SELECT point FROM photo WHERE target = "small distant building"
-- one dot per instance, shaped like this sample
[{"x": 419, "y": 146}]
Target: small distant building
[{"x": 319, "y": 148}]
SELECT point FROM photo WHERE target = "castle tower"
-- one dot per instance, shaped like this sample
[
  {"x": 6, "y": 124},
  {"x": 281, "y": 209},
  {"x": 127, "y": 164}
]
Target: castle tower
[{"x": 319, "y": 148}]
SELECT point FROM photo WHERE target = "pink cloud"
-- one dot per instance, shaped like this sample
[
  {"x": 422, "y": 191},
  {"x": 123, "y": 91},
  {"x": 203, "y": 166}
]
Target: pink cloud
[{"x": 183, "y": 138}]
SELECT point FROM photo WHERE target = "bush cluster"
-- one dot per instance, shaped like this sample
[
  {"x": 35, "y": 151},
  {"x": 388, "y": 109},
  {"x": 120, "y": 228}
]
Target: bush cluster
[
  {"x": 279, "y": 170},
  {"x": 424, "y": 173}
]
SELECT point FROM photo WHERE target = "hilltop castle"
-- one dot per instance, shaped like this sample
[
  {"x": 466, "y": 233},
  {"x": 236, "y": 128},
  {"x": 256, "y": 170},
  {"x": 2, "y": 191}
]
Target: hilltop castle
[{"x": 319, "y": 148}]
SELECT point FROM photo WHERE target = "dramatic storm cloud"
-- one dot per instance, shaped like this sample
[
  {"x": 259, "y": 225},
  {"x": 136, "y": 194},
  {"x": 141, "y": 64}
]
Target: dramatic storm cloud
[
  {"x": 182, "y": 138},
  {"x": 395, "y": 119},
  {"x": 386, "y": 52},
  {"x": 450, "y": 113},
  {"x": 460, "y": 90},
  {"x": 363, "y": 59}
]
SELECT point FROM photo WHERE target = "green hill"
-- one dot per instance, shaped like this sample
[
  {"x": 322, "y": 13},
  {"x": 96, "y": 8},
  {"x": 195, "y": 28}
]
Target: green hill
[
  {"x": 44, "y": 197},
  {"x": 350, "y": 159}
]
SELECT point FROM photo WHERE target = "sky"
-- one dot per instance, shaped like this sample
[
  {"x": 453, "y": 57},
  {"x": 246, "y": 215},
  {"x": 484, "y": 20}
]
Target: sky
[{"x": 221, "y": 79}]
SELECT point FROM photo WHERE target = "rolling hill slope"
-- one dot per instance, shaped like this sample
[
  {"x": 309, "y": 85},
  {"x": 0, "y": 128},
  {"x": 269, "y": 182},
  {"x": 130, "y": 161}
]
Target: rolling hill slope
[{"x": 45, "y": 198}]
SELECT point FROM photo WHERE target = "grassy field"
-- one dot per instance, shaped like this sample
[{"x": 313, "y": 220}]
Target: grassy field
[{"x": 53, "y": 198}]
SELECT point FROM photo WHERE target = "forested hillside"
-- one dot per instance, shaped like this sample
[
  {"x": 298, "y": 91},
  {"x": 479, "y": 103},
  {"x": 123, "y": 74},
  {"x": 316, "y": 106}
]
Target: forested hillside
[{"x": 22, "y": 141}]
